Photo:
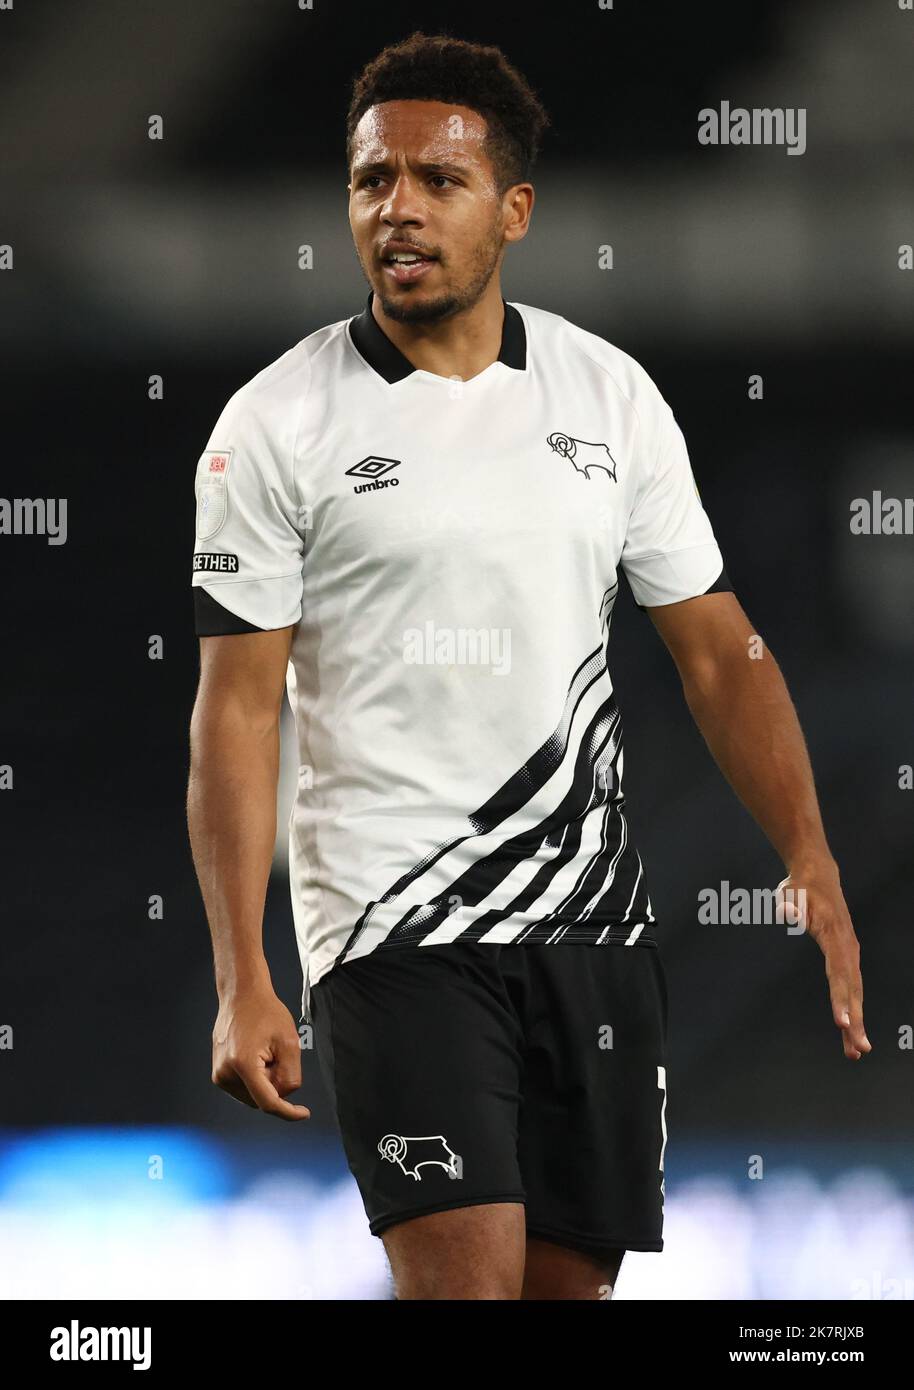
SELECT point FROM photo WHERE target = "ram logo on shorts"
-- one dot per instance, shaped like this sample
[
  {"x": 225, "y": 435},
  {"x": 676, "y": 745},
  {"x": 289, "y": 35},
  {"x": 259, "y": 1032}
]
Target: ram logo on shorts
[
  {"x": 583, "y": 454},
  {"x": 413, "y": 1152}
]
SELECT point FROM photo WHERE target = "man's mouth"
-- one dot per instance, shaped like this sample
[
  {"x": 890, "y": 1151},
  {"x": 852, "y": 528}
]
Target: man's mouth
[{"x": 405, "y": 266}]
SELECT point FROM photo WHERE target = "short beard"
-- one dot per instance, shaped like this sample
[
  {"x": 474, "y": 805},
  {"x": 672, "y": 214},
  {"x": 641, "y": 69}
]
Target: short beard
[
  {"x": 451, "y": 301},
  {"x": 423, "y": 311}
]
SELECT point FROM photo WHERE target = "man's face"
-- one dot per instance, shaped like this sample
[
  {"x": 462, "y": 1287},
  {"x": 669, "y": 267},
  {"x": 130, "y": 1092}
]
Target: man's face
[{"x": 421, "y": 179}]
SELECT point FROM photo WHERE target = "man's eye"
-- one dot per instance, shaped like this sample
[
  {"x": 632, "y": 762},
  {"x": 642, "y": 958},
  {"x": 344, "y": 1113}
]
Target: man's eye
[{"x": 372, "y": 180}]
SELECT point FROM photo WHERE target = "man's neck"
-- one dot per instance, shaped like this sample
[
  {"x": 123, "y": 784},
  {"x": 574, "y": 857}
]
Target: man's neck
[{"x": 457, "y": 347}]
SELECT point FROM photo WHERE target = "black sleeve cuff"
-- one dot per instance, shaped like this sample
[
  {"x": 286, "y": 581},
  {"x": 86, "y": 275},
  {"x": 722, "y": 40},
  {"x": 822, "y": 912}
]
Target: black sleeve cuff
[
  {"x": 721, "y": 585},
  {"x": 212, "y": 620}
]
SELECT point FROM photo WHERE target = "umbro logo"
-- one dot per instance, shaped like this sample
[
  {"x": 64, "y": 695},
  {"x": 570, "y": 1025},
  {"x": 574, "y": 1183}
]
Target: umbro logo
[
  {"x": 373, "y": 467},
  {"x": 583, "y": 455}
]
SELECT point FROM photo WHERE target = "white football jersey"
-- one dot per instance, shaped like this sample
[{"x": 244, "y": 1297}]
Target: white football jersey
[{"x": 448, "y": 553}]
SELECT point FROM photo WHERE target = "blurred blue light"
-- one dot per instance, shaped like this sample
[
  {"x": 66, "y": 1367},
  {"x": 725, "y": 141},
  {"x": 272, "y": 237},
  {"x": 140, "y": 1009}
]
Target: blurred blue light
[{"x": 146, "y": 1165}]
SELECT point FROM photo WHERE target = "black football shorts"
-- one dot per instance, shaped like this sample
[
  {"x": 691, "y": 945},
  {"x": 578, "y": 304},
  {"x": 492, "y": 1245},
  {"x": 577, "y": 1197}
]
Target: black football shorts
[{"x": 470, "y": 1072}]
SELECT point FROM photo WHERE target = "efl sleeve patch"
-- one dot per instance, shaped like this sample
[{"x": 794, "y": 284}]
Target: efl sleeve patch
[
  {"x": 249, "y": 548},
  {"x": 212, "y": 492}
]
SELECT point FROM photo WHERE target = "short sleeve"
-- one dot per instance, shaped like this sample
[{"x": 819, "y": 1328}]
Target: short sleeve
[
  {"x": 670, "y": 552},
  {"x": 248, "y": 555}
]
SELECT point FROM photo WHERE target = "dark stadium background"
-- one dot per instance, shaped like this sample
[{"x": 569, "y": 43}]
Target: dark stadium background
[{"x": 178, "y": 257}]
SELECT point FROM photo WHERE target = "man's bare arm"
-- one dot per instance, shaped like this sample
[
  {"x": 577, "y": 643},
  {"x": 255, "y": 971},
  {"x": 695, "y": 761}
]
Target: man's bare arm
[
  {"x": 231, "y": 814},
  {"x": 737, "y": 695}
]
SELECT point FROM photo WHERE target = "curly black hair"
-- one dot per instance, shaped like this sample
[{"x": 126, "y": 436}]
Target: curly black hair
[{"x": 436, "y": 67}]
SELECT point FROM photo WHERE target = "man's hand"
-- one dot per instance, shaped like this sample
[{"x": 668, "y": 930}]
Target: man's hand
[
  {"x": 813, "y": 899},
  {"x": 738, "y": 698},
  {"x": 257, "y": 1053}
]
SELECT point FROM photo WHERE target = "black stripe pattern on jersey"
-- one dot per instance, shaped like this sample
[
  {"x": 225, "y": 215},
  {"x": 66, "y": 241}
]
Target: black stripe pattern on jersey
[{"x": 607, "y": 902}]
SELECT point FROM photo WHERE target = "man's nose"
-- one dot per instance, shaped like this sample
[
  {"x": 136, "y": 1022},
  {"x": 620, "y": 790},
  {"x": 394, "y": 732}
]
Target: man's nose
[{"x": 403, "y": 202}]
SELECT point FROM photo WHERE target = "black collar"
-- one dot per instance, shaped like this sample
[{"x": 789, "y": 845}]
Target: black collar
[{"x": 390, "y": 363}]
